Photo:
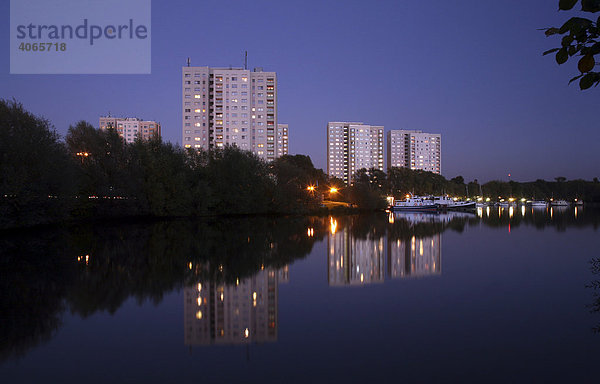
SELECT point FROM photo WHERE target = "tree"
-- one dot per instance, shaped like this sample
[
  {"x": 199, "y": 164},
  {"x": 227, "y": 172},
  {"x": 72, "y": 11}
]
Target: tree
[
  {"x": 162, "y": 177},
  {"x": 294, "y": 175},
  {"x": 239, "y": 181},
  {"x": 580, "y": 37},
  {"x": 35, "y": 169},
  {"x": 103, "y": 160},
  {"x": 367, "y": 189}
]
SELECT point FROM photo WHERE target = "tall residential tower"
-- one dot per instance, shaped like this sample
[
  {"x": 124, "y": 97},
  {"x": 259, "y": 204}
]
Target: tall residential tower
[
  {"x": 414, "y": 150},
  {"x": 230, "y": 106},
  {"x": 352, "y": 146}
]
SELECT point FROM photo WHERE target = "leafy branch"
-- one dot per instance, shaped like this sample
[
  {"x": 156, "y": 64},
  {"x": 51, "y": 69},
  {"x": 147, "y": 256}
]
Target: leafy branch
[{"x": 580, "y": 37}]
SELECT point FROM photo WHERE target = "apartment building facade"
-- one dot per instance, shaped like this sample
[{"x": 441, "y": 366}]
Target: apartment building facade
[
  {"x": 416, "y": 150},
  {"x": 230, "y": 106},
  {"x": 129, "y": 128},
  {"x": 352, "y": 146},
  {"x": 282, "y": 140}
]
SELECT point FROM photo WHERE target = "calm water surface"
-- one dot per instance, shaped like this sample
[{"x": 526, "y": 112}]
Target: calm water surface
[{"x": 501, "y": 295}]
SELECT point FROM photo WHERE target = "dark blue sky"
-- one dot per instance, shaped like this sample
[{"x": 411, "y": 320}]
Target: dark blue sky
[{"x": 470, "y": 70}]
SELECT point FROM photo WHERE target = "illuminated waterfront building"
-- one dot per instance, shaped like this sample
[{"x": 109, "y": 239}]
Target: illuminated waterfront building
[
  {"x": 353, "y": 146},
  {"x": 282, "y": 140},
  {"x": 414, "y": 150},
  {"x": 230, "y": 106}
]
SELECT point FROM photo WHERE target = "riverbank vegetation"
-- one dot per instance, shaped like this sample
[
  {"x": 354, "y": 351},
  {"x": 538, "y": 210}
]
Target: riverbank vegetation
[{"x": 93, "y": 173}]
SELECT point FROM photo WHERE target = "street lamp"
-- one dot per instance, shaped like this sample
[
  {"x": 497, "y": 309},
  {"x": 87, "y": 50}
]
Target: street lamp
[
  {"x": 82, "y": 155},
  {"x": 333, "y": 190}
]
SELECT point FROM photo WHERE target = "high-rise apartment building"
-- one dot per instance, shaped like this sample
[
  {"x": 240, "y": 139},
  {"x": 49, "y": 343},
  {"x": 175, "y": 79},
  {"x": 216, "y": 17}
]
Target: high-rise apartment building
[
  {"x": 282, "y": 140},
  {"x": 352, "y": 146},
  {"x": 414, "y": 150},
  {"x": 129, "y": 128},
  {"x": 230, "y": 106}
]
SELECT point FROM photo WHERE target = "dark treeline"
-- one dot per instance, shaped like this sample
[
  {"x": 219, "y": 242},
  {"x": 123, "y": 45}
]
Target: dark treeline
[
  {"x": 94, "y": 173},
  {"x": 371, "y": 186}
]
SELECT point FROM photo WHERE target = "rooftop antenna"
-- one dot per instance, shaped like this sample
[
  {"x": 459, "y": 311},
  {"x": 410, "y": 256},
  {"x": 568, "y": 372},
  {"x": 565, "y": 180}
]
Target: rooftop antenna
[
  {"x": 188, "y": 61},
  {"x": 246, "y": 60}
]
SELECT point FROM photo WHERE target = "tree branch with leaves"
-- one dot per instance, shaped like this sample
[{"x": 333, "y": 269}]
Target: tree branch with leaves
[{"x": 580, "y": 37}]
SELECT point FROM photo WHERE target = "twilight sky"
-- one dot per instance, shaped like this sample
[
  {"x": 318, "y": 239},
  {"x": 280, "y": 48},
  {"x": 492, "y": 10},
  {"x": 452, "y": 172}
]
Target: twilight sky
[{"x": 471, "y": 70}]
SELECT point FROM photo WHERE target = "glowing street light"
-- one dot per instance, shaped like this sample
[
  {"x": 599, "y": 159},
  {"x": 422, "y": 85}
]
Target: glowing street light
[
  {"x": 310, "y": 188},
  {"x": 333, "y": 190}
]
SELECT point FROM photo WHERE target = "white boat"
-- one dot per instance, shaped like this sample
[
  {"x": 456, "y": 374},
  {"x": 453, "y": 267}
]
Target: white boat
[
  {"x": 577, "y": 202},
  {"x": 414, "y": 203},
  {"x": 446, "y": 202},
  {"x": 538, "y": 204},
  {"x": 559, "y": 203}
]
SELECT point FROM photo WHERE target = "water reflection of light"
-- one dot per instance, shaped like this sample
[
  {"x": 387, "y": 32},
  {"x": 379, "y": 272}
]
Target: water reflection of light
[
  {"x": 511, "y": 212},
  {"x": 310, "y": 232},
  {"x": 479, "y": 212},
  {"x": 333, "y": 225},
  {"x": 199, "y": 315},
  {"x": 199, "y": 300},
  {"x": 551, "y": 212},
  {"x": 487, "y": 211},
  {"x": 420, "y": 247},
  {"x": 199, "y": 287},
  {"x": 391, "y": 218},
  {"x": 575, "y": 212},
  {"x": 246, "y": 333},
  {"x": 523, "y": 210}
]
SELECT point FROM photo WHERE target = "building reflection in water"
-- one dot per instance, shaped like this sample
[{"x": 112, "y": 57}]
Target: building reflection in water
[
  {"x": 240, "y": 313},
  {"x": 416, "y": 257},
  {"x": 353, "y": 261}
]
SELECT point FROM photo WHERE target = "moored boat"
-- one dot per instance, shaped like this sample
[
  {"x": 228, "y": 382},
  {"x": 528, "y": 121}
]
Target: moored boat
[
  {"x": 559, "y": 203},
  {"x": 538, "y": 204},
  {"x": 446, "y": 202},
  {"x": 413, "y": 204}
]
